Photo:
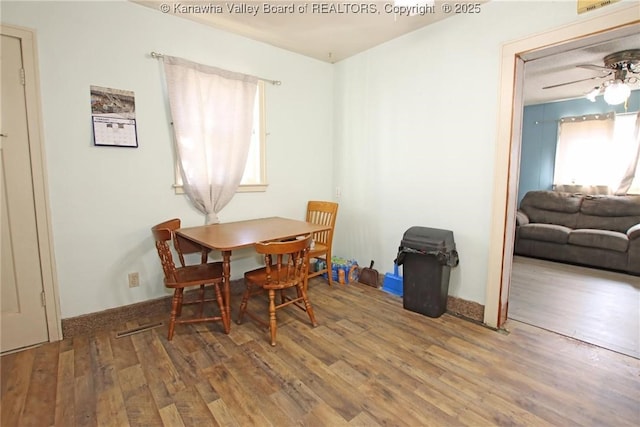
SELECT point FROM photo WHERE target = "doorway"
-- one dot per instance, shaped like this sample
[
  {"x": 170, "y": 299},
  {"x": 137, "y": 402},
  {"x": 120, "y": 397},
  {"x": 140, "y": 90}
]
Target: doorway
[
  {"x": 592, "y": 305},
  {"x": 617, "y": 23},
  {"x": 29, "y": 312}
]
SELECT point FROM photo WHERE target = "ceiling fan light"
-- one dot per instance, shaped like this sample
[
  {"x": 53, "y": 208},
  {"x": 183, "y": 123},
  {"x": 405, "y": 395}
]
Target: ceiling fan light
[
  {"x": 591, "y": 96},
  {"x": 616, "y": 93}
]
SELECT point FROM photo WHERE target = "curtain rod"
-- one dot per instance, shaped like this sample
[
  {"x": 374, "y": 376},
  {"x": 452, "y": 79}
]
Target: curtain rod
[
  {"x": 157, "y": 55},
  {"x": 573, "y": 118}
]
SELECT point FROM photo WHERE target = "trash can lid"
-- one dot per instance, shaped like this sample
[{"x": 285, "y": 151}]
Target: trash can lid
[{"x": 428, "y": 239}]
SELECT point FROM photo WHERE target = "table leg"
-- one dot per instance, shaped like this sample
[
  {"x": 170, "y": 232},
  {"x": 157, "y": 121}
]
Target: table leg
[{"x": 226, "y": 273}]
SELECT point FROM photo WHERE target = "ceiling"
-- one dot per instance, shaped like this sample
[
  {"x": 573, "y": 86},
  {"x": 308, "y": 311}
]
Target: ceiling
[
  {"x": 332, "y": 37},
  {"x": 563, "y": 67},
  {"x": 318, "y": 33}
]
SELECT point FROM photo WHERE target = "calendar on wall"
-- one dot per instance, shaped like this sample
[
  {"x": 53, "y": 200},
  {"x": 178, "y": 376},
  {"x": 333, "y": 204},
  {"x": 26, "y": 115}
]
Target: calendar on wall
[
  {"x": 589, "y": 5},
  {"x": 113, "y": 115}
]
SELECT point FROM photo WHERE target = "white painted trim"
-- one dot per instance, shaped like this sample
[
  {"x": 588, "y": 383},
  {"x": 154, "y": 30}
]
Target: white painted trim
[
  {"x": 39, "y": 173},
  {"x": 508, "y": 136}
]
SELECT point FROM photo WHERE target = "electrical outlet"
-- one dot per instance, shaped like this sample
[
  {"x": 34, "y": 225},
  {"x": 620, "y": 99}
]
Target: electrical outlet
[{"x": 134, "y": 280}]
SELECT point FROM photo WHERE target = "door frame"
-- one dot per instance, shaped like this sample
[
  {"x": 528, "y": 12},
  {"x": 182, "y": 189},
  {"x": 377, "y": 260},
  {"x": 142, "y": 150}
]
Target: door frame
[
  {"x": 39, "y": 176},
  {"x": 507, "y": 161}
]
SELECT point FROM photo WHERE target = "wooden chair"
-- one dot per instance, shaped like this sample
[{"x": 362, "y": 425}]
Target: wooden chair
[
  {"x": 286, "y": 267},
  {"x": 184, "y": 246},
  {"x": 323, "y": 213},
  {"x": 185, "y": 276}
]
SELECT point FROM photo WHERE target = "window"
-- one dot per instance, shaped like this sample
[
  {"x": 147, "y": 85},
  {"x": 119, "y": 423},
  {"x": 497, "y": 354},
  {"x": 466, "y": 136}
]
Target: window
[
  {"x": 254, "y": 178},
  {"x": 594, "y": 153}
]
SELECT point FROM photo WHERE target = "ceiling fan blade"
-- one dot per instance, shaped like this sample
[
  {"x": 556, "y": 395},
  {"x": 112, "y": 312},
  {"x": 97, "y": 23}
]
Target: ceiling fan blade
[
  {"x": 575, "y": 81},
  {"x": 594, "y": 67}
]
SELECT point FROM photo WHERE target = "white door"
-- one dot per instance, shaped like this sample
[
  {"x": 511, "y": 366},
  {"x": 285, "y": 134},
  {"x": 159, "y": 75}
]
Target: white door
[{"x": 24, "y": 318}]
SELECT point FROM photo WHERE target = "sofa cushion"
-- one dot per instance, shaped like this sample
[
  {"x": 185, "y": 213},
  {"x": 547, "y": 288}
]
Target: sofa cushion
[
  {"x": 544, "y": 232},
  {"x": 557, "y": 201},
  {"x": 552, "y": 207},
  {"x": 611, "y": 205},
  {"x": 613, "y": 223},
  {"x": 616, "y": 213},
  {"x": 604, "y": 239}
]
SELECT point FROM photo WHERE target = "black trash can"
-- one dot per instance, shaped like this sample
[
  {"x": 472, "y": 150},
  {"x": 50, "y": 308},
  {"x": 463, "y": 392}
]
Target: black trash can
[{"x": 427, "y": 255}]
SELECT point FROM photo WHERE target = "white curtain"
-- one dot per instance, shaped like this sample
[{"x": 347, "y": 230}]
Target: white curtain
[
  {"x": 632, "y": 170},
  {"x": 212, "y": 112}
]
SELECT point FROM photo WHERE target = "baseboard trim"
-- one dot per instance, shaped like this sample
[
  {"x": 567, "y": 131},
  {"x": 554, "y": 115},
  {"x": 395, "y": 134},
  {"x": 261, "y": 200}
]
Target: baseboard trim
[
  {"x": 114, "y": 317},
  {"x": 466, "y": 309}
]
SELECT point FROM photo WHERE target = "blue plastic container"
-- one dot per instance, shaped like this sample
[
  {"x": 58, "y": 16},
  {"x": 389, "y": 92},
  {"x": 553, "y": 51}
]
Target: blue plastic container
[{"x": 393, "y": 282}]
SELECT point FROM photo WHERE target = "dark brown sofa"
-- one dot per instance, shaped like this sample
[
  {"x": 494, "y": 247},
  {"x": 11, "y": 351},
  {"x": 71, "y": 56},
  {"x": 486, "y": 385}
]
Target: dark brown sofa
[{"x": 596, "y": 231}]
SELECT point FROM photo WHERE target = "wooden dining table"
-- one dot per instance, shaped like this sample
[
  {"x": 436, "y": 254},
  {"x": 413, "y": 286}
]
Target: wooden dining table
[{"x": 230, "y": 236}]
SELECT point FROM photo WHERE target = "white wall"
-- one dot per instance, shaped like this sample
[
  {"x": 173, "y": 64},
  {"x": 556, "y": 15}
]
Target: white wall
[
  {"x": 103, "y": 199},
  {"x": 410, "y": 127},
  {"x": 415, "y": 126}
]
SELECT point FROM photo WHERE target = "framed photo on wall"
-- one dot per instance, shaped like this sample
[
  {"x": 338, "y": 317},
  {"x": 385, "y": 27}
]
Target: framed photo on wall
[{"x": 113, "y": 116}]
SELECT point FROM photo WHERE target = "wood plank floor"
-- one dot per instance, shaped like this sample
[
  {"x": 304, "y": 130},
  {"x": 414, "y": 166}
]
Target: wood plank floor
[
  {"x": 368, "y": 363},
  {"x": 596, "y": 306}
]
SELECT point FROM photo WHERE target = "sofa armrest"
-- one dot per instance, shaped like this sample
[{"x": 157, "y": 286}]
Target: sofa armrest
[
  {"x": 523, "y": 219},
  {"x": 633, "y": 261},
  {"x": 634, "y": 232}
]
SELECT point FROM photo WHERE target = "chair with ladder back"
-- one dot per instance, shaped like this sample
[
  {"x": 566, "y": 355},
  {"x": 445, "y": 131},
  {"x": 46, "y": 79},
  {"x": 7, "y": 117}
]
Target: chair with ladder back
[
  {"x": 184, "y": 276},
  {"x": 285, "y": 270},
  {"x": 323, "y": 213}
]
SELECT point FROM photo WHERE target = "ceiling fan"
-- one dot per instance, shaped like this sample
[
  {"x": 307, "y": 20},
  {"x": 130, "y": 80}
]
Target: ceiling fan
[{"x": 621, "y": 69}]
